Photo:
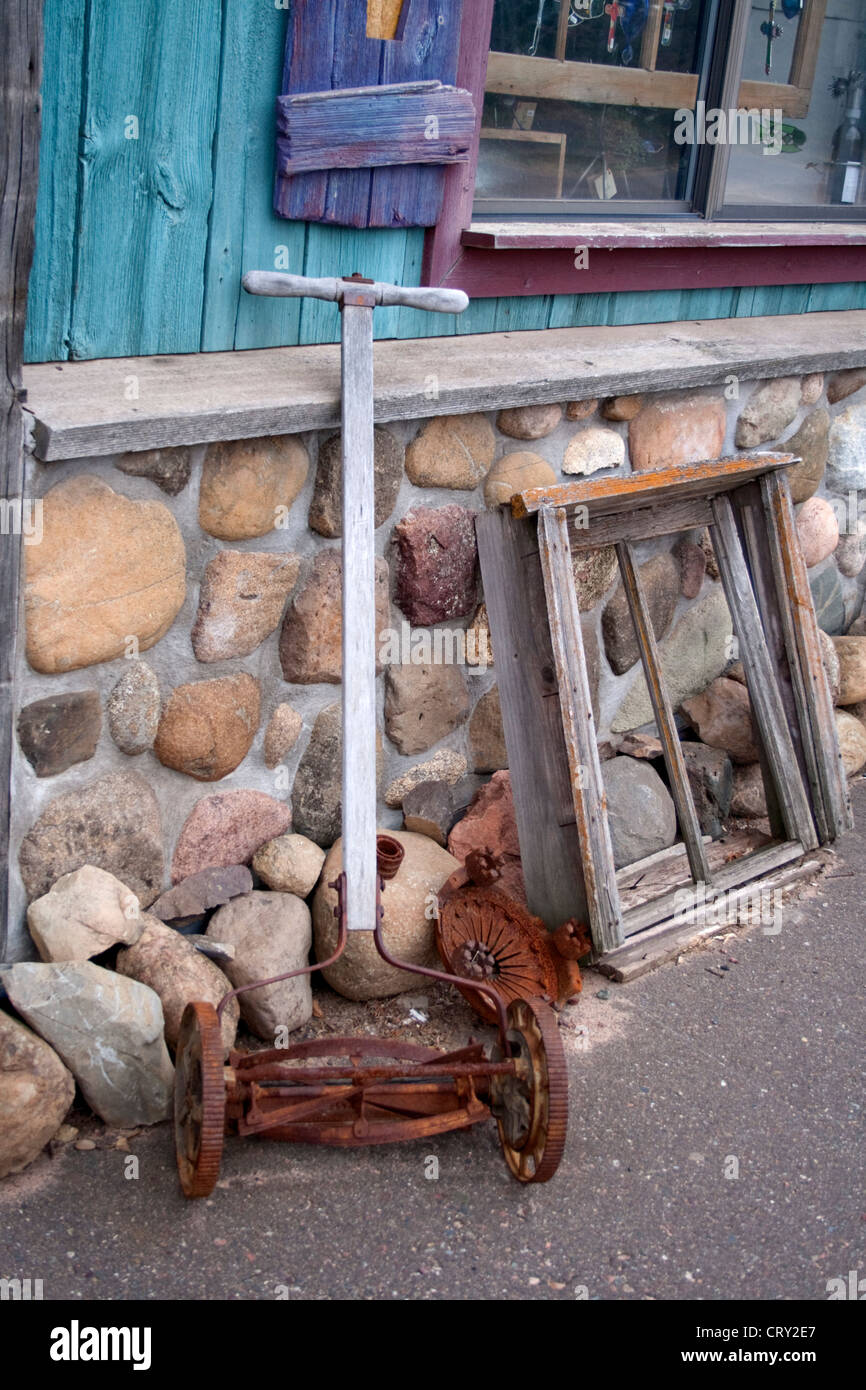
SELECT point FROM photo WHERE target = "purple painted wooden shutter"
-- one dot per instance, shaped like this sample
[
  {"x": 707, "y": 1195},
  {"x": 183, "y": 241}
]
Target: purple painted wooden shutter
[{"x": 369, "y": 149}]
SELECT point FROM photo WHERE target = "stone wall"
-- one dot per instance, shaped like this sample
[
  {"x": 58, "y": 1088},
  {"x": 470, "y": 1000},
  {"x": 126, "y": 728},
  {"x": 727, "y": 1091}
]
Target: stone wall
[{"x": 179, "y": 683}]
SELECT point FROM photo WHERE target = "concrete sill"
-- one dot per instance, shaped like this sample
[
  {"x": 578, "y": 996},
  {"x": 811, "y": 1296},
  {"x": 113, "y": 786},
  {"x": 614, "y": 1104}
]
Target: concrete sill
[{"x": 80, "y": 409}]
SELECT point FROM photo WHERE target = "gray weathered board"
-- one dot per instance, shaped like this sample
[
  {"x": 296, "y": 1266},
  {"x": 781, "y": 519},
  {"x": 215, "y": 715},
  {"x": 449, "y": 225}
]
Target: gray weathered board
[{"x": 526, "y": 563}]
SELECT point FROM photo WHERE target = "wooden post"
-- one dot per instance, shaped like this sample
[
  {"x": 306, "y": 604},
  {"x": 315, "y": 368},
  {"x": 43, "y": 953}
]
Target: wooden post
[
  {"x": 359, "y": 615},
  {"x": 20, "y": 78}
]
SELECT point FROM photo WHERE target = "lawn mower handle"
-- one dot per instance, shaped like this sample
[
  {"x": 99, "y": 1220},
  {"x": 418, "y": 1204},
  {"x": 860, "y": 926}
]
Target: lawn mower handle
[{"x": 281, "y": 284}]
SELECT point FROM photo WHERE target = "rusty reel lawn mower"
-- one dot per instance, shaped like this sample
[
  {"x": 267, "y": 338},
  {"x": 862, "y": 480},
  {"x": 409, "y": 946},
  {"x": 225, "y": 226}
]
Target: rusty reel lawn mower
[{"x": 353, "y": 1091}]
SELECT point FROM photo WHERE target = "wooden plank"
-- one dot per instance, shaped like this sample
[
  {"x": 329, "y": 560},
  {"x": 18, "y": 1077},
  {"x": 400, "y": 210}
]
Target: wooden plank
[
  {"x": 662, "y": 519},
  {"x": 385, "y": 17},
  {"x": 191, "y": 399},
  {"x": 807, "y": 46},
  {"x": 728, "y": 877},
  {"x": 818, "y": 721},
  {"x": 610, "y": 496},
  {"x": 20, "y": 74},
  {"x": 665, "y": 232},
  {"x": 526, "y": 677},
  {"x": 652, "y": 32},
  {"x": 244, "y": 233},
  {"x": 379, "y": 255},
  {"x": 145, "y": 176},
  {"x": 359, "y": 621},
  {"x": 584, "y": 767},
  {"x": 767, "y": 708},
  {"x": 590, "y": 82},
  {"x": 374, "y": 126},
  {"x": 50, "y": 291},
  {"x": 665, "y": 942},
  {"x": 687, "y": 818}
]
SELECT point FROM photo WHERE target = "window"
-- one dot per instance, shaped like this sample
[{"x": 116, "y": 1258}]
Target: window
[{"x": 677, "y": 108}]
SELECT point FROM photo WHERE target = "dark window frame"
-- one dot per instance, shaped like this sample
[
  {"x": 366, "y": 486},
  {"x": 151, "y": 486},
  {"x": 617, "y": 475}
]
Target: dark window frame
[{"x": 536, "y": 255}]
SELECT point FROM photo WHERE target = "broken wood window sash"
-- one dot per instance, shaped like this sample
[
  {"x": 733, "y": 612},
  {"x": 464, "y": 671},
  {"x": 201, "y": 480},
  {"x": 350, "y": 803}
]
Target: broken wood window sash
[{"x": 568, "y": 863}]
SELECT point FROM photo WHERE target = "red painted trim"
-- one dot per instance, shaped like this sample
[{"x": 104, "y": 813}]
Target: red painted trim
[
  {"x": 490, "y": 274},
  {"x": 442, "y": 245}
]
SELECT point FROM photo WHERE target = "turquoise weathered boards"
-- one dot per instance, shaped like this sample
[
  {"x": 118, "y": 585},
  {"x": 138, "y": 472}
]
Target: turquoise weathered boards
[{"x": 327, "y": 50}]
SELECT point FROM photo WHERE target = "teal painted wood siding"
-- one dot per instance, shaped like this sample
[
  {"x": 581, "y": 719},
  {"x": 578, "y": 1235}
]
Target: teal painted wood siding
[{"x": 155, "y": 192}]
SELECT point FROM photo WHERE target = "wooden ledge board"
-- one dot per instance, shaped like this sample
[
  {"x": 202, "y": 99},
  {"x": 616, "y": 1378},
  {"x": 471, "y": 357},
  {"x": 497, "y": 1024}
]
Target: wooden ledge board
[
  {"x": 82, "y": 409},
  {"x": 608, "y": 496}
]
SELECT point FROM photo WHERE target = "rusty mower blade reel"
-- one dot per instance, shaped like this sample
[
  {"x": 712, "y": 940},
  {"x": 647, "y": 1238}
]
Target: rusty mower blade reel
[
  {"x": 199, "y": 1100},
  {"x": 531, "y": 1106}
]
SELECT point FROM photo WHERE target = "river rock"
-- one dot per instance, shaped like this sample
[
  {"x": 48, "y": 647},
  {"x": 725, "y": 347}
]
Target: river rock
[
  {"x": 207, "y": 727},
  {"x": 660, "y": 579},
  {"x": 423, "y": 704},
  {"x": 290, "y": 864},
  {"x": 36, "y": 1091},
  {"x": 281, "y": 735},
  {"x": 829, "y": 600},
  {"x": 817, "y": 530},
  {"x": 271, "y": 934},
  {"x": 446, "y": 765},
  {"x": 768, "y": 411},
  {"x": 845, "y": 383},
  {"x": 452, "y": 451},
  {"x": 194, "y": 896},
  {"x": 581, "y": 410},
  {"x": 594, "y": 572},
  {"x": 694, "y": 652},
  {"x": 491, "y": 824},
  {"x": 407, "y": 922},
  {"x": 851, "y": 652},
  {"x": 529, "y": 421},
  {"x": 849, "y": 554},
  {"x": 812, "y": 388},
  {"x": 243, "y": 593},
  {"x": 107, "y": 1029},
  {"x": 749, "y": 796},
  {"x": 60, "y": 730},
  {"x": 640, "y": 810},
  {"x": 84, "y": 914},
  {"x": 675, "y": 430},
  {"x": 722, "y": 716},
  {"x": 317, "y": 795},
  {"x": 85, "y": 594},
  {"x": 486, "y": 734},
  {"x": 593, "y": 449},
  {"x": 429, "y": 810},
  {"x": 516, "y": 473},
  {"x": 226, "y": 829},
  {"x": 846, "y": 468},
  {"x": 852, "y": 741},
  {"x": 170, "y": 965},
  {"x": 112, "y": 823},
  {"x": 169, "y": 468},
  {"x": 248, "y": 485},
  {"x": 327, "y": 504},
  {"x": 811, "y": 444},
  {"x": 312, "y": 633},
  {"x": 436, "y": 562},
  {"x": 133, "y": 709},
  {"x": 711, "y": 783},
  {"x": 622, "y": 407}
]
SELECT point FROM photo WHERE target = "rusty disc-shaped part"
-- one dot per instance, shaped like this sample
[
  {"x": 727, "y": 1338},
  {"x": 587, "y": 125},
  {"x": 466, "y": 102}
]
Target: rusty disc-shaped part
[
  {"x": 484, "y": 935},
  {"x": 199, "y": 1100},
  {"x": 531, "y": 1107}
]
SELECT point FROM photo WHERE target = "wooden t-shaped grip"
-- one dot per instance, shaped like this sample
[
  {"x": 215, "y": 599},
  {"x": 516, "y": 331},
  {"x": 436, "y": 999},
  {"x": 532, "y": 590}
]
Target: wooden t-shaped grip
[{"x": 282, "y": 284}]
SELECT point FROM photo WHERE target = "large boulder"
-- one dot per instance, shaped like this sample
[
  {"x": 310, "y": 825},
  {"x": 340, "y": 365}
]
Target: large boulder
[
  {"x": 271, "y": 934},
  {"x": 107, "y": 1029},
  {"x": 409, "y": 904},
  {"x": 84, "y": 914},
  {"x": 113, "y": 823},
  {"x": 722, "y": 716},
  {"x": 640, "y": 809},
  {"x": 86, "y": 594},
  {"x": 36, "y": 1091},
  {"x": 226, "y": 829},
  {"x": 171, "y": 966}
]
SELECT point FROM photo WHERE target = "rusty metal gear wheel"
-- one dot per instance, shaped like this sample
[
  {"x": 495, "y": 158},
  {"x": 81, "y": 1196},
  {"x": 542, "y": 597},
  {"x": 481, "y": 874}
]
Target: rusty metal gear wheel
[
  {"x": 485, "y": 936},
  {"x": 531, "y": 1107},
  {"x": 199, "y": 1100}
]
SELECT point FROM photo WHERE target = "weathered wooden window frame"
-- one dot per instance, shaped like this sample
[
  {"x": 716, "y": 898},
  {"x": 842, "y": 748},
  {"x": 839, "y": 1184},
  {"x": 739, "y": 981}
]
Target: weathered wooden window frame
[
  {"x": 513, "y": 258},
  {"x": 526, "y": 561}
]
